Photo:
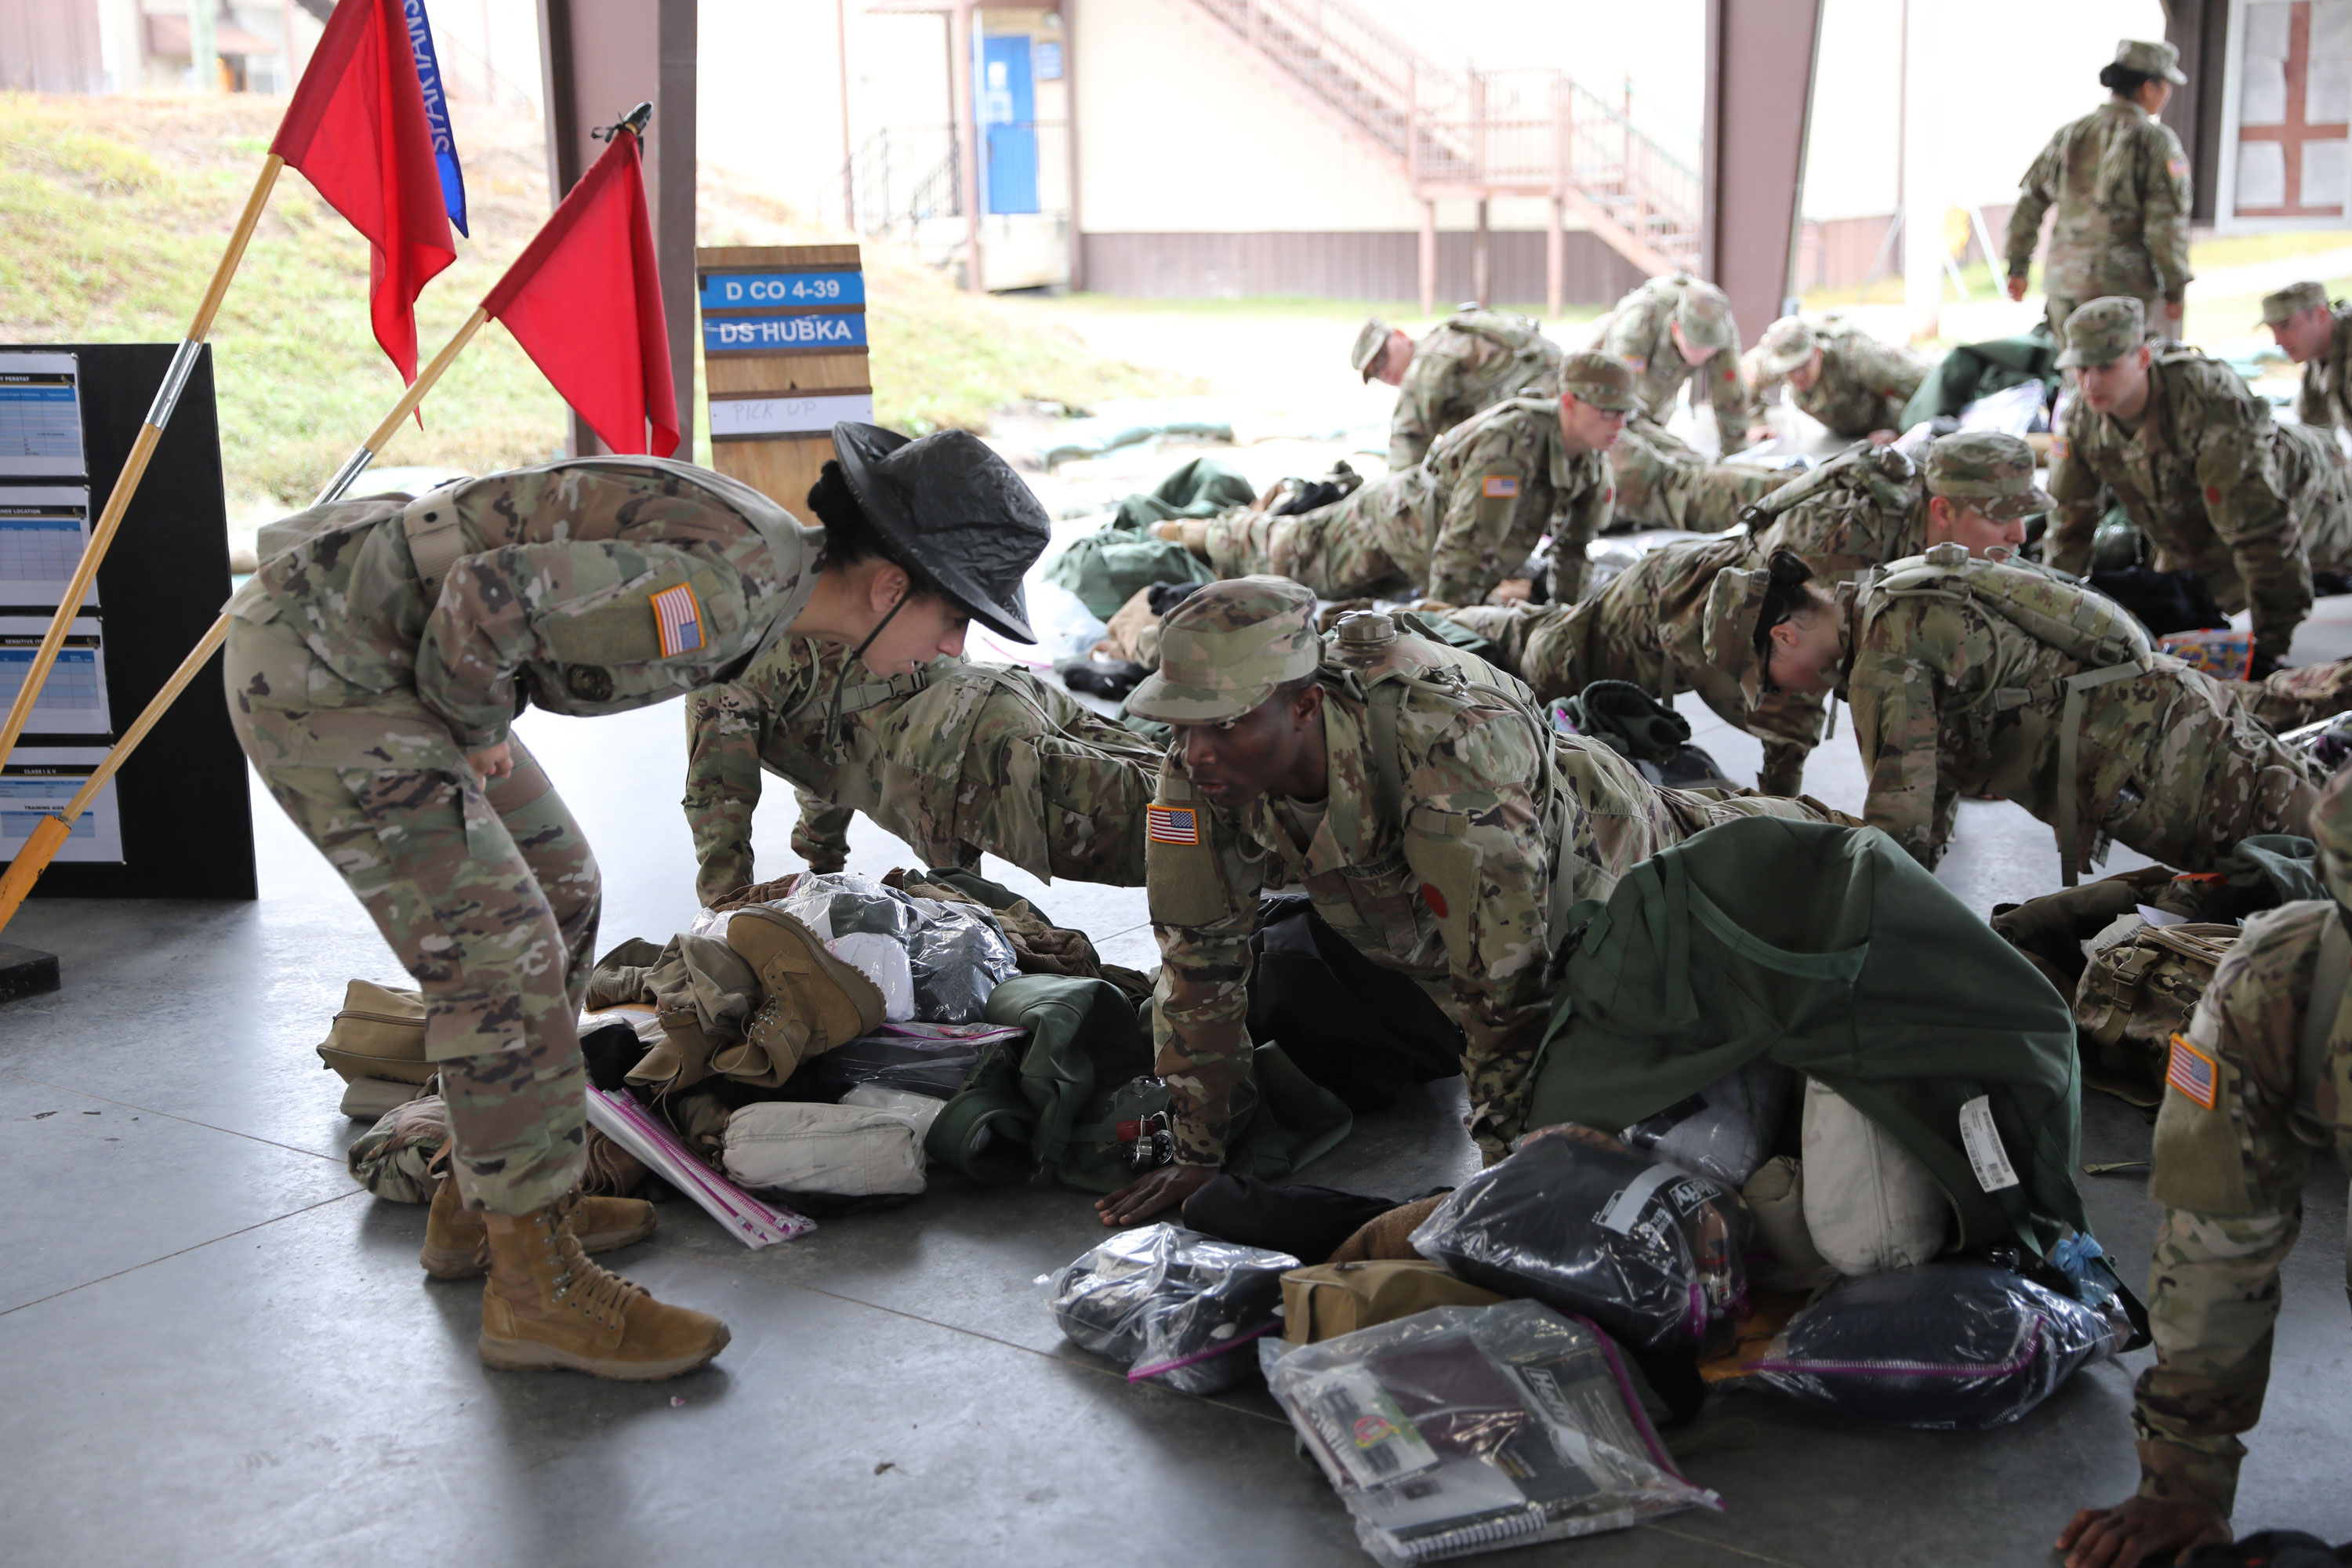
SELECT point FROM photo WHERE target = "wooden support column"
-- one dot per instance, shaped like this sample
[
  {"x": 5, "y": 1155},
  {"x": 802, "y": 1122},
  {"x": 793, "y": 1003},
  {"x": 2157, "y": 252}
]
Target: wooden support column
[
  {"x": 967, "y": 135},
  {"x": 1428, "y": 258},
  {"x": 1556, "y": 258},
  {"x": 1481, "y": 262},
  {"x": 1070, "y": 140},
  {"x": 1760, "y": 56}
]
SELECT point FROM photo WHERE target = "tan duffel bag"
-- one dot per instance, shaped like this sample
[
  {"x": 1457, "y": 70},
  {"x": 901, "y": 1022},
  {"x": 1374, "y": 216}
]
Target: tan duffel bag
[
  {"x": 379, "y": 1034},
  {"x": 1335, "y": 1298}
]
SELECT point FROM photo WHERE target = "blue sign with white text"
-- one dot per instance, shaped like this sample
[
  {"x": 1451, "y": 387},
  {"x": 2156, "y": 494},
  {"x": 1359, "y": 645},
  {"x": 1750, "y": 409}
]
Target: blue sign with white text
[
  {"x": 752, "y": 334},
  {"x": 436, "y": 115},
  {"x": 749, "y": 291}
]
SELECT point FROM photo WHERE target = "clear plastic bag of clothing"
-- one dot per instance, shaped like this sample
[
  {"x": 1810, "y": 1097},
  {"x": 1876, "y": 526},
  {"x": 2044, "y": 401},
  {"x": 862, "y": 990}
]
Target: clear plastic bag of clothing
[
  {"x": 1956, "y": 1345},
  {"x": 1178, "y": 1308},
  {"x": 1724, "y": 1130},
  {"x": 1578, "y": 1222},
  {"x": 922, "y": 1059},
  {"x": 955, "y": 953},
  {"x": 1466, "y": 1429}
]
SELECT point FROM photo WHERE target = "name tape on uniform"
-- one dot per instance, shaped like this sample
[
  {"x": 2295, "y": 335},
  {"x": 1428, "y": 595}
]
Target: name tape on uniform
[
  {"x": 679, "y": 619},
  {"x": 2193, "y": 1073},
  {"x": 1173, "y": 824},
  {"x": 768, "y": 334},
  {"x": 747, "y": 290}
]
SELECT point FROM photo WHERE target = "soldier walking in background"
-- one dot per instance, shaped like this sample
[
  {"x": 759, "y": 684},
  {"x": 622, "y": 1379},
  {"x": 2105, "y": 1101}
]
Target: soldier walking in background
[
  {"x": 1468, "y": 364},
  {"x": 2120, "y": 181}
]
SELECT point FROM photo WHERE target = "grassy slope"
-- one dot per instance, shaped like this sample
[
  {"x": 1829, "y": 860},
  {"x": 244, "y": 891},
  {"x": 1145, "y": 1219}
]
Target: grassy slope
[{"x": 112, "y": 212}]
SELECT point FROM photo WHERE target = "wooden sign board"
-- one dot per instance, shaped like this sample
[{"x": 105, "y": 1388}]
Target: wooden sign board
[{"x": 784, "y": 350}]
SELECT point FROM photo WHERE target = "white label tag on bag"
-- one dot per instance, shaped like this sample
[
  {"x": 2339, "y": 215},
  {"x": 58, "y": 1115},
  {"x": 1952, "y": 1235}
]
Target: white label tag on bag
[{"x": 1986, "y": 1156}]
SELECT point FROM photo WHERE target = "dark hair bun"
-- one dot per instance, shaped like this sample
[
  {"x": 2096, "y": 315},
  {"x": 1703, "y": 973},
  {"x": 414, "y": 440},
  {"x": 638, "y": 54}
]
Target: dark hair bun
[
  {"x": 2122, "y": 81},
  {"x": 1789, "y": 569}
]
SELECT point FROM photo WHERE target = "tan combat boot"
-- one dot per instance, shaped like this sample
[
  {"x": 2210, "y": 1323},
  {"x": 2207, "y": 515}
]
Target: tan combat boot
[
  {"x": 546, "y": 1306},
  {"x": 457, "y": 1245}
]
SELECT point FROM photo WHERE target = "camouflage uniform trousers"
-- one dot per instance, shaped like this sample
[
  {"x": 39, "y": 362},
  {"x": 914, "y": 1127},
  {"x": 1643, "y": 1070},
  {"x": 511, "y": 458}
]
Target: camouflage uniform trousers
[
  {"x": 2208, "y": 774},
  {"x": 1371, "y": 544},
  {"x": 2289, "y": 698},
  {"x": 1662, "y": 482},
  {"x": 487, "y": 894},
  {"x": 821, "y": 836}
]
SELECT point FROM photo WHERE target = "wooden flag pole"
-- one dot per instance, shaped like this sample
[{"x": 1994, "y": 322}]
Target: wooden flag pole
[
  {"x": 134, "y": 468},
  {"x": 50, "y": 833}
]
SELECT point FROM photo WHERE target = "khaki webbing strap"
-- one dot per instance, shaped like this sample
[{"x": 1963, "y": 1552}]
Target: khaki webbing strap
[
  {"x": 436, "y": 539},
  {"x": 1387, "y": 770},
  {"x": 2070, "y": 732},
  {"x": 2323, "y": 1024}
]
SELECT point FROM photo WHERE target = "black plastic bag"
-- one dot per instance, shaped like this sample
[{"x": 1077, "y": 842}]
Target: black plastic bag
[{"x": 1177, "y": 1307}]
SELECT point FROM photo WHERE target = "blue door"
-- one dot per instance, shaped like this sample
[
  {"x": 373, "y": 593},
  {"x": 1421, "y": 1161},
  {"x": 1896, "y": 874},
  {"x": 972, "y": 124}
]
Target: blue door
[{"x": 1007, "y": 104}]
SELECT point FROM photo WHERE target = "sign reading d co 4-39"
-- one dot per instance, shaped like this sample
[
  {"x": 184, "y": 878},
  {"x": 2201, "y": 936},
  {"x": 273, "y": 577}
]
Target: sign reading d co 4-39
[
  {"x": 750, "y": 291},
  {"x": 753, "y": 334}
]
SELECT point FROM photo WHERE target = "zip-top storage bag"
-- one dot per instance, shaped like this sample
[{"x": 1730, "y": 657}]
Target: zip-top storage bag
[
  {"x": 1467, "y": 1429},
  {"x": 1175, "y": 1305}
]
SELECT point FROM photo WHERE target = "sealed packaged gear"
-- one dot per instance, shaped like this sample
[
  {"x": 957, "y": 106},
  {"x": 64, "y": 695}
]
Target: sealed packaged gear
[
  {"x": 1960, "y": 1345},
  {"x": 828, "y": 1150},
  {"x": 1178, "y": 1308},
  {"x": 1578, "y": 1222},
  {"x": 922, "y": 1059},
  {"x": 955, "y": 954},
  {"x": 1467, "y": 1429},
  {"x": 1724, "y": 1130}
]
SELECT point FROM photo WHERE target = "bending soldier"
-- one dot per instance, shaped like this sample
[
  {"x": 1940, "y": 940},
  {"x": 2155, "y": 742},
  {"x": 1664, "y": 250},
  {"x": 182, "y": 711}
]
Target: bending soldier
[
  {"x": 2193, "y": 455},
  {"x": 2121, "y": 184},
  {"x": 2260, "y": 1079},
  {"x": 1867, "y": 507},
  {"x": 1421, "y": 799},
  {"x": 2317, "y": 336},
  {"x": 1838, "y": 373},
  {"x": 1468, "y": 363},
  {"x": 1668, "y": 332},
  {"x": 375, "y": 665},
  {"x": 1462, "y": 521}
]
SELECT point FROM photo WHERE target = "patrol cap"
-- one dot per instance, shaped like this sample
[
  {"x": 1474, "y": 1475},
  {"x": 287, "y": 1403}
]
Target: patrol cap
[
  {"x": 2292, "y": 301},
  {"x": 1727, "y": 630},
  {"x": 1991, "y": 471},
  {"x": 1366, "y": 355},
  {"x": 948, "y": 505},
  {"x": 1705, "y": 316},
  {"x": 1223, "y": 650},
  {"x": 1787, "y": 343},
  {"x": 2104, "y": 330},
  {"x": 2151, "y": 60},
  {"x": 1601, "y": 380},
  {"x": 2331, "y": 828}
]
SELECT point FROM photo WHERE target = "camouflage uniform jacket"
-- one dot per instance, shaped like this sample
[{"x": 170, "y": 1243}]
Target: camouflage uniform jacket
[
  {"x": 955, "y": 756},
  {"x": 2326, "y": 396},
  {"x": 2201, "y": 476},
  {"x": 2121, "y": 183},
  {"x": 1637, "y": 333},
  {"x": 2230, "y": 1176},
  {"x": 551, "y": 599},
  {"x": 1853, "y": 518},
  {"x": 1470, "y": 362},
  {"x": 1490, "y": 488},
  {"x": 1864, "y": 383},
  {"x": 1454, "y": 885}
]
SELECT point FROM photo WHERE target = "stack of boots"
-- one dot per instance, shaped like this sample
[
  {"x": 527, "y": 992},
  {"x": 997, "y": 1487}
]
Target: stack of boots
[
  {"x": 546, "y": 1306},
  {"x": 458, "y": 1244}
]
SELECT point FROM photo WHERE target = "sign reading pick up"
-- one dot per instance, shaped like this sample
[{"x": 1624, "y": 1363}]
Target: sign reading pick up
[
  {"x": 750, "y": 290},
  {"x": 772, "y": 334},
  {"x": 753, "y": 418}
]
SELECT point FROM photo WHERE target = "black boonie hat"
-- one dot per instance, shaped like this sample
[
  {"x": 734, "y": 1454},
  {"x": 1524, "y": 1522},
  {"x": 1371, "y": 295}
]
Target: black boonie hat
[{"x": 948, "y": 505}]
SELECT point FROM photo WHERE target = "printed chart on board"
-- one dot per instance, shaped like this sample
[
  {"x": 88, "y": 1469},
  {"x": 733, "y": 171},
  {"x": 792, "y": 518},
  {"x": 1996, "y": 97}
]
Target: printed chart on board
[
  {"x": 37, "y": 782},
  {"x": 40, "y": 414},
  {"x": 73, "y": 699},
  {"x": 43, "y": 530}
]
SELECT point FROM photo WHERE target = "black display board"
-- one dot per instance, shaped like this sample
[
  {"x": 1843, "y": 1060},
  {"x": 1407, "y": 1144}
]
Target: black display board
[{"x": 187, "y": 819}]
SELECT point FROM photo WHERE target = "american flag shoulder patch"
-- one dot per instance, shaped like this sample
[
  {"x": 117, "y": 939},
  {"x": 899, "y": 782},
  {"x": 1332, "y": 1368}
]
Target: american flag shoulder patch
[
  {"x": 1638, "y": 363},
  {"x": 678, "y": 620},
  {"x": 2058, "y": 447},
  {"x": 1171, "y": 825},
  {"x": 1503, "y": 486},
  {"x": 2193, "y": 1073},
  {"x": 2177, "y": 167}
]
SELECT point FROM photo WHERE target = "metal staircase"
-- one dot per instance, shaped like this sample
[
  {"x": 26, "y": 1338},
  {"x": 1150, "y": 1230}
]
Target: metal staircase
[{"x": 1478, "y": 134}]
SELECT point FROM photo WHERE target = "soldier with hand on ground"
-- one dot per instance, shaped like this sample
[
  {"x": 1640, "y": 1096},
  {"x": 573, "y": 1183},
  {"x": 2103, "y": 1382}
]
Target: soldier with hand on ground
[
  {"x": 2120, "y": 181},
  {"x": 375, "y": 665},
  {"x": 2193, "y": 454},
  {"x": 1461, "y": 521},
  {"x": 1468, "y": 364},
  {"x": 1669, "y": 331},
  {"x": 2261, "y": 1079},
  {"x": 2317, "y": 336},
  {"x": 1838, "y": 373},
  {"x": 1424, "y": 803}
]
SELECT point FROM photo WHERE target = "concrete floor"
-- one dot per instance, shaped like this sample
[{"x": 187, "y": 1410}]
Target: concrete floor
[{"x": 214, "y": 1349}]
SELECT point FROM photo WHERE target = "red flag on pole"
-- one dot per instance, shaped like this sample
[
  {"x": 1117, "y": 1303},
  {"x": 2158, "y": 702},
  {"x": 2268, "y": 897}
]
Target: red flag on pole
[
  {"x": 585, "y": 300},
  {"x": 357, "y": 130}
]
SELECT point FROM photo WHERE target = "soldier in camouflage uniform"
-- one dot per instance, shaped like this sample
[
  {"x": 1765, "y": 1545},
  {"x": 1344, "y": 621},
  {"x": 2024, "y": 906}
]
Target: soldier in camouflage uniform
[
  {"x": 2193, "y": 455},
  {"x": 2121, "y": 183},
  {"x": 1951, "y": 696},
  {"x": 2255, "y": 1084},
  {"x": 1868, "y": 507},
  {"x": 1838, "y": 373},
  {"x": 955, "y": 759},
  {"x": 2317, "y": 336},
  {"x": 1468, "y": 363},
  {"x": 1668, "y": 332},
  {"x": 1649, "y": 626},
  {"x": 375, "y": 665},
  {"x": 1421, "y": 799},
  {"x": 1464, "y": 519}
]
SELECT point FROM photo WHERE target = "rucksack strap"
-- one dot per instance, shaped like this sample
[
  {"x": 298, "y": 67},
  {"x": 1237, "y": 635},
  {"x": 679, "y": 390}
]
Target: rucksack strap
[
  {"x": 2323, "y": 1022},
  {"x": 2069, "y": 732},
  {"x": 1388, "y": 768}
]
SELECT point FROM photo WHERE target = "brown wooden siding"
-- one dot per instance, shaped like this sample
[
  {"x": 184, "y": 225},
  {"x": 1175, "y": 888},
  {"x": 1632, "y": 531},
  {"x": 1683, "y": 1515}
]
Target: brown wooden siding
[{"x": 1376, "y": 264}]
